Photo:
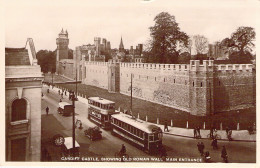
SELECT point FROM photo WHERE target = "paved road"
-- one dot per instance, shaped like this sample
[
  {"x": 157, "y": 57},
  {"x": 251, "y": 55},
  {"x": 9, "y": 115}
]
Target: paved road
[{"x": 177, "y": 147}]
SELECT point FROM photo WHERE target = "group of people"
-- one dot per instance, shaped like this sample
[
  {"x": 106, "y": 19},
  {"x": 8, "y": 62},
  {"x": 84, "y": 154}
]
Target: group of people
[
  {"x": 196, "y": 132},
  {"x": 206, "y": 154}
]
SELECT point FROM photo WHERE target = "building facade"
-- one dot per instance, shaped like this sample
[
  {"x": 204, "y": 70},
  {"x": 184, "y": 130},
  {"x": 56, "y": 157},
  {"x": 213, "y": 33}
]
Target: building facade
[{"x": 23, "y": 85}]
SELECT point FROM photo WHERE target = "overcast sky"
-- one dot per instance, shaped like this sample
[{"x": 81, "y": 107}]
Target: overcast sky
[{"x": 43, "y": 20}]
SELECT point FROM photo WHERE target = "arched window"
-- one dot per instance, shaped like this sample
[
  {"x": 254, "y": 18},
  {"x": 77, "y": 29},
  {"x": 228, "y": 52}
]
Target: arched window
[{"x": 19, "y": 110}]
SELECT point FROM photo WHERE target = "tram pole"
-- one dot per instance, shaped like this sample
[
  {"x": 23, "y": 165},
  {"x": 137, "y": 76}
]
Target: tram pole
[
  {"x": 73, "y": 117},
  {"x": 131, "y": 92}
]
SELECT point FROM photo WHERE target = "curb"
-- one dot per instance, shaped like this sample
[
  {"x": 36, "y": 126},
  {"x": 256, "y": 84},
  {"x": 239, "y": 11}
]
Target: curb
[{"x": 208, "y": 138}]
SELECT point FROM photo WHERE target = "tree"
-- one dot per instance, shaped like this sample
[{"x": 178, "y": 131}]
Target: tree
[
  {"x": 184, "y": 58},
  {"x": 167, "y": 39},
  {"x": 240, "y": 45},
  {"x": 201, "y": 44},
  {"x": 47, "y": 60}
]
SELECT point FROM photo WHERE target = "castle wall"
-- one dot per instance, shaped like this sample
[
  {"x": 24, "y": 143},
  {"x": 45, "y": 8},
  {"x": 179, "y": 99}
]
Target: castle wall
[
  {"x": 200, "y": 89},
  {"x": 165, "y": 84},
  {"x": 234, "y": 87},
  {"x": 66, "y": 68},
  {"x": 96, "y": 74}
]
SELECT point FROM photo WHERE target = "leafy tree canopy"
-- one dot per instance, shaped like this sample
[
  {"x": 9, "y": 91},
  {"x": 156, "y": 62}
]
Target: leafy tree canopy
[
  {"x": 240, "y": 45},
  {"x": 166, "y": 40}
]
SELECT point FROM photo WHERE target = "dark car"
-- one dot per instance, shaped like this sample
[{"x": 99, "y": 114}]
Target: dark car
[{"x": 93, "y": 133}]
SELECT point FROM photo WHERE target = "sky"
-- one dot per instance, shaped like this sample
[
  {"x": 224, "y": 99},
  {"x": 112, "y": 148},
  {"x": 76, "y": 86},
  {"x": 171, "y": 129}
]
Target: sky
[{"x": 43, "y": 20}]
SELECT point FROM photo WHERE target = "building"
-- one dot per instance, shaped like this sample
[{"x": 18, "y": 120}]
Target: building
[
  {"x": 217, "y": 52},
  {"x": 62, "y": 48},
  {"x": 23, "y": 85},
  {"x": 121, "y": 46}
]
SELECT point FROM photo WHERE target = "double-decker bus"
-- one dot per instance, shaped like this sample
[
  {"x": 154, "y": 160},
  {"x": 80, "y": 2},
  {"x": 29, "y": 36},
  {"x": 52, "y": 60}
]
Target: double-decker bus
[
  {"x": 100, "y": 111},
  {"x": 144, "y": 135}
]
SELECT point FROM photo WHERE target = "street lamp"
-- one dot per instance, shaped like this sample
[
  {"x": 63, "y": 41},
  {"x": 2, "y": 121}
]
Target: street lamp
[{"x": 74, "y": 98}]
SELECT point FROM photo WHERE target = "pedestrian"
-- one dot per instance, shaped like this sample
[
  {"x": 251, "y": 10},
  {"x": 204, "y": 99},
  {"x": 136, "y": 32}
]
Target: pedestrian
[
  {"x": 60, "y": 100},
  {"x": 195, "y": 132},
  {"x": 47, "y": 110},
  {"x": 224, "y": 154},
  {"x": 214, "y": 143},
  {"x": 62, "y": 95},
  {"x": 65, "y": 93},
  {"x": 211, "y": 132},
  {"x": 202, "y": 148},
  {"x": 207, "y": 157},
  {"x": 48, "y": 91},
  {"x": 198, "y": 131},
  {"x": 59, "y": 92},
  {"x": 166, "y": 126},
  {"x": 199, "y": 147},
  {"x": 229, "y": 135}
]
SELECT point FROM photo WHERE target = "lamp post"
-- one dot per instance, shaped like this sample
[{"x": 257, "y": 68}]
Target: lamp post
[{"x": 74, "y": 98}]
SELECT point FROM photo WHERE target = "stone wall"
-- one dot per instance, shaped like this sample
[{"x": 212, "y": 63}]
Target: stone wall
[
  {"x": 197, "y": 88},
  {"x": 66, "y": 68},
  {"x": 96, "y": 74}
]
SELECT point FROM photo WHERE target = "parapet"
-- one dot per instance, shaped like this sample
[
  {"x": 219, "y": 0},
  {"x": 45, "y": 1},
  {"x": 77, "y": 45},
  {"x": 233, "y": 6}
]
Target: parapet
[
  {"x": 207, "y": 65},
  {"x": 173, "y": 67},
  {"x": 234, "y": 67}
]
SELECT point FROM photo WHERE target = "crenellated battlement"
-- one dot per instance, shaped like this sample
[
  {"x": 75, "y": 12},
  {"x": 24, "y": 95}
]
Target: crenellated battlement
[
  {"x": 96, "y": 63},
  {"x": 234, "y": 67},
  {"x": 173, "y": 67}
]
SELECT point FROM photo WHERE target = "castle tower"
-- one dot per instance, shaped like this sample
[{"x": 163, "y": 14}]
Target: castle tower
[
  {"x": 62, "y": 47},
  {"x": 201, "y": 87},
  {"x": 121, "y": 46},
  {"x": 97, "y": 45}
]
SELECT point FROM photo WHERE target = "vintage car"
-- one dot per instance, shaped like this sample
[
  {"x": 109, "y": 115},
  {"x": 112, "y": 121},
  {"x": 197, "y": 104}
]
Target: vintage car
[
  {"x": 93, "y": 133},
  {"x": 65, "y": 109}
]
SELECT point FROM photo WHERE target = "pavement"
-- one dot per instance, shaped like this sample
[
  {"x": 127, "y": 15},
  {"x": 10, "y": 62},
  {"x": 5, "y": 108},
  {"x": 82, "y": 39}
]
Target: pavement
[{"x": 237, "y": 135}]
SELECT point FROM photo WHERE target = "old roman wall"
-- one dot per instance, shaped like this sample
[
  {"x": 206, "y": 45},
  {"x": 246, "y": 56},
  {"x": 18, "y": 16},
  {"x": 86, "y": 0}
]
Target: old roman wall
[
  {"x": 196, "y": 88},
  {"x": 234, "y": 87},
  {"x": 96, "y": 74},
  {"x": 66, "y": 68},
  {"x": 166, "y": 84}
]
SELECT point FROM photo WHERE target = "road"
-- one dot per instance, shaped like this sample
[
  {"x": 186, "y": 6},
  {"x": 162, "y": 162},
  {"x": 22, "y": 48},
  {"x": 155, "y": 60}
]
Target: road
[{"x": 177, "y": 147}]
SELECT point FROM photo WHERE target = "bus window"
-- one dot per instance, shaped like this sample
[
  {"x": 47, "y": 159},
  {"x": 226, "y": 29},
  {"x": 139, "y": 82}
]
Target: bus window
[
  {"x": 145, "y": 136},
  {"x": 156, "y": 137},
  {"x": 150, "y": 137},
  {"x": 137, "y": 132}
]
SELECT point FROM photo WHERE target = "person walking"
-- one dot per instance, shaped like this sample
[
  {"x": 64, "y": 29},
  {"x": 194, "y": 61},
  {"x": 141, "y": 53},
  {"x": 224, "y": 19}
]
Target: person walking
[
  {"x": 224, "y": 154},
  {"x": 59, "y": 92},
  {"x": 62, "y": 95},
  {"x": 202, "y": 148},
  {"x": 199, "y": 147},
  {"x": 214, "y": 143},
  {"x": 195, "y": 132},
  {"x": 47, "y": 110},
  {"x": 166, "y": 126},
  {"x": 211, "y": 132},
  {"x": 198, "y": 132}
]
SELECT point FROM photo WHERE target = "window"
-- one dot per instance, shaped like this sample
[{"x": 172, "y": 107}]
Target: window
[
  {"x": 19, "y": 110},
  {"x": 200, "y": 84}
]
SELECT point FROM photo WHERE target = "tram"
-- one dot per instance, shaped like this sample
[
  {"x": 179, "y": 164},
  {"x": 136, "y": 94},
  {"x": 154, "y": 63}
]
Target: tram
[
  {"x": 100, "y": 111},
  {"x": 145, "y": 135}
]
